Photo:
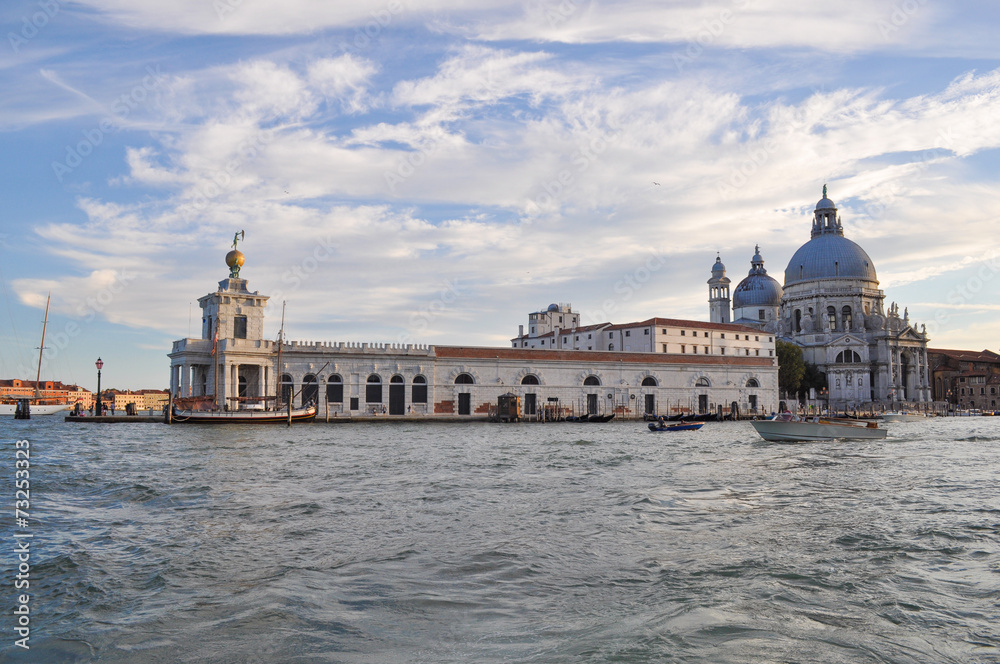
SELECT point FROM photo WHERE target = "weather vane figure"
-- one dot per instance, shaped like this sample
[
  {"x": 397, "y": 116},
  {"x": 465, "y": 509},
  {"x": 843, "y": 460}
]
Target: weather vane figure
[{"x": 235, "y": 258}]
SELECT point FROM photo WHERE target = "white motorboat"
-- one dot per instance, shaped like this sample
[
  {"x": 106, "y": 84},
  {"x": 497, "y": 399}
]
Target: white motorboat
[{"x": 787, "y": 429}]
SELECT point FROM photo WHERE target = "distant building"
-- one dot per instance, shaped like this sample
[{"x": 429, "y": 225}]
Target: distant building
[
  {"x": 50, "y": 390},
  {"x": 966, "y": 379}
]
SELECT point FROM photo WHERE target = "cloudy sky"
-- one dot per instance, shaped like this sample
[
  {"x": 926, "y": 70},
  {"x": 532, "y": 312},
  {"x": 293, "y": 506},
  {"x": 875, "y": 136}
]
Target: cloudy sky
[{"x": 431, "y": 172}]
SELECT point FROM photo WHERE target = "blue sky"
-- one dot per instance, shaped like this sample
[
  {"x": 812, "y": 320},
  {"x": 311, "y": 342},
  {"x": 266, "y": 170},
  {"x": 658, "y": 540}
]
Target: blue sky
[{"x": 431, "y": 172}]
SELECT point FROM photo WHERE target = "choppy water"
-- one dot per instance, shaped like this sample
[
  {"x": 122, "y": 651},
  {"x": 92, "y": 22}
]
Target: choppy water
[{"x": 507, "y": 543}]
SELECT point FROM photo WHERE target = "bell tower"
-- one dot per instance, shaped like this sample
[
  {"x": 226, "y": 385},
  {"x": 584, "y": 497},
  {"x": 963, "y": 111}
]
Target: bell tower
[{"x": 718, "y": 293}]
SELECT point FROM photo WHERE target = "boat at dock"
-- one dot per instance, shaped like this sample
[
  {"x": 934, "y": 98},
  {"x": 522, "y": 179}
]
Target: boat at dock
[
  {"x": 785, "y": 428},
  {"x": 23, "y": 407},
  {"x": 243, "y": 416}
]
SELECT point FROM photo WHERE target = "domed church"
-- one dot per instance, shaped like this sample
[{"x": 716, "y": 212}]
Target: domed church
[{"x": 831, "y": 306}]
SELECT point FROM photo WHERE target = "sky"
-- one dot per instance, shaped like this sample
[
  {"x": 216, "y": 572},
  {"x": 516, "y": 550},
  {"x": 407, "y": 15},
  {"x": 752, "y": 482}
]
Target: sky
[{"x": 431, "y": 172}]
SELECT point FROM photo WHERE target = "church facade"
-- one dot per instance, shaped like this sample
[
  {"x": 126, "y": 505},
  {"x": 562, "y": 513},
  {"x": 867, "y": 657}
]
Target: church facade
[{"x": 831, "y": 306}]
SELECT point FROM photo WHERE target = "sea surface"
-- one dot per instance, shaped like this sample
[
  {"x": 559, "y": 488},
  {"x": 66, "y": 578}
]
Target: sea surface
[{"x": 559, "y": 542}]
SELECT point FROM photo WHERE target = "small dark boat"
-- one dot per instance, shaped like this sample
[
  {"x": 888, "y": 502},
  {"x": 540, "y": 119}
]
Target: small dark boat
[{"x": 681, "y": 426}]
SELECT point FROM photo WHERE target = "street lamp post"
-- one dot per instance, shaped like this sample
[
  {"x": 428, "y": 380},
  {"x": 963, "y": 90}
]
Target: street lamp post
[{"x": 100, "y": 365}]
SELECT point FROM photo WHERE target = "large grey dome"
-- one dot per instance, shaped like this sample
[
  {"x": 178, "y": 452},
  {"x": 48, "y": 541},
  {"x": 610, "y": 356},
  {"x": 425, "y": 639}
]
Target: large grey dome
[
  {"x": 757, "y": 289},
  {"x": 829, "y": 256}
]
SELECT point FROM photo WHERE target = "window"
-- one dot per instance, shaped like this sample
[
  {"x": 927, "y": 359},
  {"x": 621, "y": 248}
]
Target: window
[
  {"x": 373, "y": 390},
  {"x": 240, "y": 327},
  {"x": 419, "y": 389},
  {"x": 646, "y": 332},
  {"x": 753, "y": 383},
  {"x": 694, "y": 349},
  {"x": 705, "y": 334},
  {"x": 723, "y": 350},
  {"x": 664, "y": 331},
  {"x": 649, "y": 381},
  {"x": 703, "y": 382},
  {"x": 565, "y": 340},
  {"x": 748, "y": 351},
  {"x": 588, "y": 336},
  {"x": 464, "y": 379},
  {"x": 760, "y": 314},
  {"x": 747, "y": 338},
  {"x": 683, "y": 349},
  {"x": 706, "y": 350},
  {"x": 532, "y": 330},
  {"x": 756, "y": 338},
  {"x": 831, "y": 315},
  {"x": 543, "y": 342},
  {"x": 664, "y": 348},
  {"x": 530, "y": 379},
  {"x": 756, "y": 352},
  {"x": 848, "y": 356},
  {"x": 611, "y": 346},
  {"x": 335, "y": 389},
  {"x": 683, "y": 332},
  {"x": 846, "y": 313},
  {"x": 577, "y": 338},
  {"x": 628, "y": 333},
  {"x": 722, "y": 336},
  {"x": 592, "y": 380}
]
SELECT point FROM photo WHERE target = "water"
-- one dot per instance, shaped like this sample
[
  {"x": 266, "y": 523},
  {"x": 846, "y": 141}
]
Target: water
[{"x": 507, "y": 543}]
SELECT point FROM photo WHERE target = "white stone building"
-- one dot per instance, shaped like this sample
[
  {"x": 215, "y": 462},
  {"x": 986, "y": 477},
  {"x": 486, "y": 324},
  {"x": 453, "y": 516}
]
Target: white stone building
[{"x": 660, "y": 365}]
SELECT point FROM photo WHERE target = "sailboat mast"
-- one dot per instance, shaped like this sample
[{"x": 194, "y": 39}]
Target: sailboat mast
[
  {"x": 41, "y": 349},
  {"x": 281, "y": 342}
]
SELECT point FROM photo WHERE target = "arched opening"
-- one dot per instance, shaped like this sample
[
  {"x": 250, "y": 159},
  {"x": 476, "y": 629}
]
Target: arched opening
[
  {"x": 419, "y": 393},
  {"x": 753, "y": 382},
  {"x": 703, "y": 382},
  {"x": 845, "y": 313},
  {"x": 464, "y": 379},
  {"x": 397, "y": 395},
  {"x": 591, "y": 380},
  {"x": 373, "y": 389},
  {"x": 831, "y": 316},
  {"x": 649, "y": 381},
  {"x": 530, "y": 379},
  {"x": 335, "y": 389},
  {"x": 286, "y": 389},
  {"x": 798, "y": 320},
  {"x": 310, "y": 389}
]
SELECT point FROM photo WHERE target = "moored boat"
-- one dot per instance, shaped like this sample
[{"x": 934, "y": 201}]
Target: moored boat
[
  {"x": 243, "y": 416},
  {"x": 786, "y": 429}
]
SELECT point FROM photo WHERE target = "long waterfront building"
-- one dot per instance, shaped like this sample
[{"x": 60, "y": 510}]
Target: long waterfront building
[{"x": 659, "y": 366}]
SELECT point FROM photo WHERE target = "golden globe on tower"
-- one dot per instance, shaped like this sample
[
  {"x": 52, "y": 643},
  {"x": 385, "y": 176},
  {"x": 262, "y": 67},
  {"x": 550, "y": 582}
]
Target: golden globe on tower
[{"x": 235, "y": 258}]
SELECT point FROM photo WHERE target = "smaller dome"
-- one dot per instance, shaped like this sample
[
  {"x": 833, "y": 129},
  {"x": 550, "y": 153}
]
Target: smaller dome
[
  {"x": 553, "y": 307},
  {"x": 825, "y": 203},
  {"x": 234, "y": 257},
  {"x": 718, "y": 267}
]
